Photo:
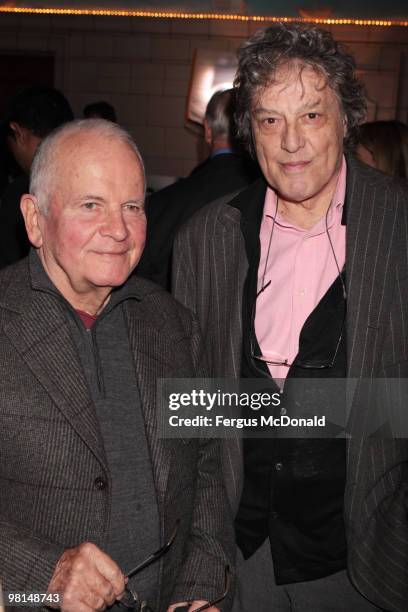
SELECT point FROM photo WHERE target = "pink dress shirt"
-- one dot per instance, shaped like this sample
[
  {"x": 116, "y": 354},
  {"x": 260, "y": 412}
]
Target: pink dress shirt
[{"x": 301, "y": 267}]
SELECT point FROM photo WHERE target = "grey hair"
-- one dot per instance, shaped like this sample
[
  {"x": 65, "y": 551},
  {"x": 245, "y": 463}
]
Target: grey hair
[
  {"x": 43, "y": 168},
  {"x": 219, "y": 114},
  {"x": 262, "y": 55}
]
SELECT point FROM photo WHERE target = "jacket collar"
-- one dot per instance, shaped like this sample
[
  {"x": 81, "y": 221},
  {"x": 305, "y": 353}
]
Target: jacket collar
[{"x": 21, "y": 282}]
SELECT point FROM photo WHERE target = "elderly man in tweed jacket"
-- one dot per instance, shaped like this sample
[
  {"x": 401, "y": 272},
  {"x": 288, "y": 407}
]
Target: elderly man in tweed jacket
[{"x": 88, "y": 488}]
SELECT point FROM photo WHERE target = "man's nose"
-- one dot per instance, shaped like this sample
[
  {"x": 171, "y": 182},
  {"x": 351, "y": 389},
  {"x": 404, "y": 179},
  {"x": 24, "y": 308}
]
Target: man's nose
[
  {"x": 114, "y": 225},
  {"x": 292, "y": 138}
]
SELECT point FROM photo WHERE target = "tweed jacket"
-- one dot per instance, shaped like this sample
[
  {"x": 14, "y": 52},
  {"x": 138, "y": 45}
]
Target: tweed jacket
[
  {"x": 210, "y": 267},
  {"x": 52, "y": 458}
]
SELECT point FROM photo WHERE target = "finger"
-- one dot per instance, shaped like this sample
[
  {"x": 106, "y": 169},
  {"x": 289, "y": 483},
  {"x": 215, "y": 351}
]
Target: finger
[
  {"x": 76, "y": 607},
  {"x": 90, "y": 588},
  {"x": 110, "y": 571},
  {"x": 174, "y": 607},
  {"x": 100, "y": 592},
  {"x": 195, "y": 605},
  {"x": 92, "y": 602},
  {"x": 90, "y": 553}
]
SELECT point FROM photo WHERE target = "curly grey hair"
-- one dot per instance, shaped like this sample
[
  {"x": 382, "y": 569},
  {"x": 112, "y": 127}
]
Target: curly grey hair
[{"x": 264, "y": 53}]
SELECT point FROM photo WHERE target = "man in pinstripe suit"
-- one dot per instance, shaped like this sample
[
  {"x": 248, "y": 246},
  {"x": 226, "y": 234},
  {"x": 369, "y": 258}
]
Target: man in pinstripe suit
[
  {"x": 89, "y": 489},
  {"x": 322, "y": 524}
]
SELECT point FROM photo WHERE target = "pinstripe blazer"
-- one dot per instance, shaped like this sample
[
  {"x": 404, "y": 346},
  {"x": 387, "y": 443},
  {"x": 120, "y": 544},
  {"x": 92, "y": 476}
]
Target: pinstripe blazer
[
  {"x": 210, "y": 267},
  {"x": 52, "y": 455}
]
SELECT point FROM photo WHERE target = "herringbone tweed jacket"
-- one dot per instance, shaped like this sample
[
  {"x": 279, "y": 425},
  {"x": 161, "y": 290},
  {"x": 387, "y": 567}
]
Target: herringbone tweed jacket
[
  {"x": 210, "y": 267},
  {"x": 52, "y": 455}
]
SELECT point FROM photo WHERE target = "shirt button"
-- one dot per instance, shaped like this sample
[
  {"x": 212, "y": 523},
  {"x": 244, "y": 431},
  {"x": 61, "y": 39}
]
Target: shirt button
[
  {"x": 303, "y": 292},
  {"x": 278, "y": 466},
  {"x": 283, "y": 411},
  {"x": 274, "y": 515},
  {"x": 100, "y": 483}
]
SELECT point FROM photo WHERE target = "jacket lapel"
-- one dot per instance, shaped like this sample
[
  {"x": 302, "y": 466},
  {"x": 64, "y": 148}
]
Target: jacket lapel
[
  {"x": 38, "y": 330},
  {"x": 240, "y": 216},
  {"x": 370, "y": 234},
  {"x": 153, "y": 359}
]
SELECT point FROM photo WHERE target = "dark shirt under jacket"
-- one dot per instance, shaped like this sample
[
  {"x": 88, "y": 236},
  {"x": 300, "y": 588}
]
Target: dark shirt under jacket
[
  {"x": 294, "y": 488},
  {"x": 171, "y": 207},
  {"x": 14, "y": 243}
]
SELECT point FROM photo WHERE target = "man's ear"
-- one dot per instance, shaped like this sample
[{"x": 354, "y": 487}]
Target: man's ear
[
  {"x": 345, "y": 126},
  {"x": 32, "y": 214},
  {"x": 18, "y": 131},
  {"x": 207, "y": 133}
]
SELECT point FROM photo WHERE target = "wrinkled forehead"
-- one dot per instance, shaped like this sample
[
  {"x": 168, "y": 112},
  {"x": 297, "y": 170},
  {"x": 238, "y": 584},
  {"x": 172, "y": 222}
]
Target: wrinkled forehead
[
  {"x": 294, "y": 72},
  {"x": 77, "y": 155},
  {"x": 78, "y": 161},
  {"x": 73, "y": 149}
]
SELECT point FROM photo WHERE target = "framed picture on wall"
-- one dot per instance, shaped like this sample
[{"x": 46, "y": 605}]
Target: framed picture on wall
[{"x": 211, "y": 71}]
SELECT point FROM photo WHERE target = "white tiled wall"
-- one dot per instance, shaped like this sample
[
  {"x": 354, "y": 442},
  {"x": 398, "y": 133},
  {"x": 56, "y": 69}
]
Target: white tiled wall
[{"x": 142, "y": 67}]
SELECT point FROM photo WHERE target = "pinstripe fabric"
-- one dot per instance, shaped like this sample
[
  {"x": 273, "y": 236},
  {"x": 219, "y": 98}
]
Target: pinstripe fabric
[
  {"x": 51, "y": 450},
  {"x": 209, "y": 272},
  {"x": 376, "y": 500}
]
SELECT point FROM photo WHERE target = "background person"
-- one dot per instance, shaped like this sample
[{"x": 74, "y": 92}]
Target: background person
[
  {"x": 31, "y": 116},
  {"x": 100, "y": 110},
  {"x": 225, "y": 171},
  {"x": 384, "y": 145}
]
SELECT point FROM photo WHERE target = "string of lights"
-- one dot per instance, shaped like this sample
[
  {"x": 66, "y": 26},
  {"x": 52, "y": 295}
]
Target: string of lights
[{"x": 201, "y": 16}]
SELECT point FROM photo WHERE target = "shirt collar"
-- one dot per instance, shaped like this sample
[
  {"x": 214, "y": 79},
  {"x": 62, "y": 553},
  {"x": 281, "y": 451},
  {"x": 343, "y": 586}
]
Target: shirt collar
[{"x": 222, "y": 151}]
